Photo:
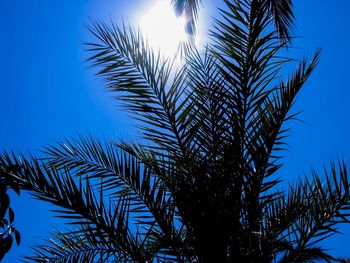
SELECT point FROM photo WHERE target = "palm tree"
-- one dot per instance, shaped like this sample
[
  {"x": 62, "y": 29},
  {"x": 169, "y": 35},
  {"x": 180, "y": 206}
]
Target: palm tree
[{"x": 199, "y": 184}]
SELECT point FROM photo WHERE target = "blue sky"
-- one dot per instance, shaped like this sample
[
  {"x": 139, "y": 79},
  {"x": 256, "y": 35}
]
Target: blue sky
[{"x": 48, "y": 92}]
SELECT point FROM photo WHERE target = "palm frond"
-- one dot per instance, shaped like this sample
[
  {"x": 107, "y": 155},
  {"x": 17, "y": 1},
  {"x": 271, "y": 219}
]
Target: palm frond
[
  {"x": 310, "y": 214},
  {"x": 76, "y": 246},
  {"x": 121, "y": 175},
  {"x": 142, "y": 80},
  {"x": 282, "y": 14},
  {"x": 188, "y": 8},
  {"x": 280, "y": 11},
  {"x": 77, "y": 200}
]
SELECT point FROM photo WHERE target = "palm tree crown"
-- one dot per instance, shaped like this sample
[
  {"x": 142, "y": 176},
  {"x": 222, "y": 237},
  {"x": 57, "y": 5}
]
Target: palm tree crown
[{"x": 198, "y": 185}]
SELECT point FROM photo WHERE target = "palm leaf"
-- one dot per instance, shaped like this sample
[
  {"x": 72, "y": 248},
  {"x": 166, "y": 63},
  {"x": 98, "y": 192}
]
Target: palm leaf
[{"x": 77, "y": 200}]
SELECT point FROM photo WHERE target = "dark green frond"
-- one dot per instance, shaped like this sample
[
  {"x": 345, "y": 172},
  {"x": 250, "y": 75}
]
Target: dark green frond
[
  {"x": 77, "y": 246},
  {"x": 142, "y": 80},
  {"x": 188, "y": 8},
  {"x": 281, "y": 11},
  {"x": 121, "y": 175},
  {"x": 78, "y": 200},
  {"x": 310, "y": 214}
]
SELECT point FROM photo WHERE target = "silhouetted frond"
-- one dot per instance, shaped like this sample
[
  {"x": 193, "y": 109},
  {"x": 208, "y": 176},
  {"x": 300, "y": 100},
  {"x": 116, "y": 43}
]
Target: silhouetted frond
[{"x": 188, "y": 8}]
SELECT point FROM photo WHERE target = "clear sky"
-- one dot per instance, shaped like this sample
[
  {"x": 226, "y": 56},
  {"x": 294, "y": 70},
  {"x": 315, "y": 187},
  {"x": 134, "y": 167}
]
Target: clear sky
[{"x": 48, "y": 92}]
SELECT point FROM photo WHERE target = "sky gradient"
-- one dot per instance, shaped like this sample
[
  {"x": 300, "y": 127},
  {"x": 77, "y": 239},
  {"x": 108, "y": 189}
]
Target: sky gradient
[{"x": 48, "y": 92}]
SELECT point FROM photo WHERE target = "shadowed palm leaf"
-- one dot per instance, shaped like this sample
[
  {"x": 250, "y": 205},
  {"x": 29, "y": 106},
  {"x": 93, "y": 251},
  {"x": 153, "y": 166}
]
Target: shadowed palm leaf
[
  {"x": 188, "y": 8},
  {"x": 8, "y": 231},
  {"x": 198, "y": 185}
]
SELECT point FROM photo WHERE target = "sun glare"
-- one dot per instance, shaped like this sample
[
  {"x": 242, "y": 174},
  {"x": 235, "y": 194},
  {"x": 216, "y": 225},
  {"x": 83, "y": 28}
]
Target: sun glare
[{"x": 163, "y": 29}]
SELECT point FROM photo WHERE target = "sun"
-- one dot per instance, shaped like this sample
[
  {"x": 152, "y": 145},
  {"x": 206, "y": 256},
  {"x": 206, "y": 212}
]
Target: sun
[{"x": 163, "y": 29}]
